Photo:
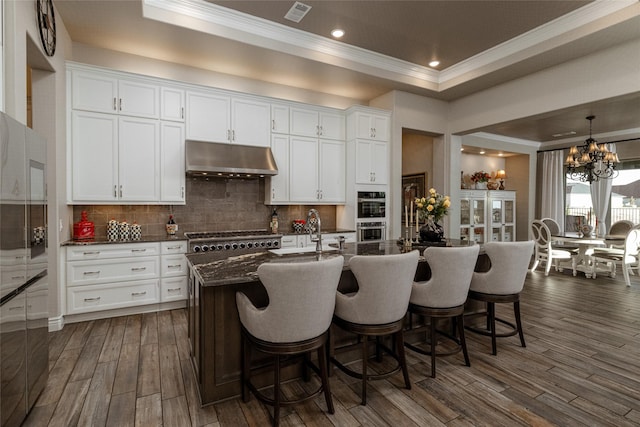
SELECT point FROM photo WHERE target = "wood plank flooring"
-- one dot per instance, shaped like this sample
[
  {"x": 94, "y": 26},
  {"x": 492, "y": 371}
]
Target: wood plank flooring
[{"x": 581, "y": 367}]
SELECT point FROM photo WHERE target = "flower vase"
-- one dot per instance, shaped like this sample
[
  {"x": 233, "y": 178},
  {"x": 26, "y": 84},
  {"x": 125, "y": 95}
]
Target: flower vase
[
  {"x": 481, "y": 185},
  {"x": 431, "y": 232}
]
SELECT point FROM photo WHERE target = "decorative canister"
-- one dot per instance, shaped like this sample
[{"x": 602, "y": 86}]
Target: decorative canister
[
  {"x": 83, "y": 229},
  {"x": 298, "y": 225},
  {"x": 113, "y": 230},
  {"x": 171, "y": 226},
  {"x": 125, "y": 230},
  {"x": 136, "y": 231}
]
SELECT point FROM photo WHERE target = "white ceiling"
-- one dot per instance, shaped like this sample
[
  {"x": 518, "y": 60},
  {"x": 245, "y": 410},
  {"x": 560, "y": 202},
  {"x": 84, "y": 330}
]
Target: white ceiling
[{"x": 386, "y": 46}]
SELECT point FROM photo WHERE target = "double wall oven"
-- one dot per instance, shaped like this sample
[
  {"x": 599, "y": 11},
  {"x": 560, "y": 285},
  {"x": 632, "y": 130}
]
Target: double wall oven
[{"x": 371, "y": 225}]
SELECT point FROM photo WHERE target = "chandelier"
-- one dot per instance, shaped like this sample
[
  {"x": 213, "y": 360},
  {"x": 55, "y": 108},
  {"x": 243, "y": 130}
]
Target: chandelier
[{"x": 591, "y": 161}]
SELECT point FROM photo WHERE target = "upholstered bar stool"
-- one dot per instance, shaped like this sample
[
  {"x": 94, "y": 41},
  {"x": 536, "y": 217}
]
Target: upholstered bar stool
[
  {"x": 443, "y": 296},
  {"x": 502, "y": 283},
  {"x": 296, "y": 321},
  {"x": 377, "y": 309}
]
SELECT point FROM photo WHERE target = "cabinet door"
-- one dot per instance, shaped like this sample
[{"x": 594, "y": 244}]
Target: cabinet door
[
  {"x": 138, "y": 159},
  {"x": 364, "y": 175},
  {"x": 303, "y": 122},
  {"x": 279, "y": 118},
  {"x": 364, "y": 127},
  {"x": 172, "y": 104},
  {"x": 304, "y": 170},
  {"x": 172, "y": 166},
  {"x": 280, "y": 183},
  {"x": 208, "y": 117},
  {"x": 332, "y": 171},
  {"x": 139, "y": 99},
  {"x": 250, "y": 122},
  {"x": 94, "y": 156},
  {"x": 331, "y": 126},
  {"x": 94, "y": 92},
  {"x": 380, "y": 126},
  {"x": 379, "y": 160}
]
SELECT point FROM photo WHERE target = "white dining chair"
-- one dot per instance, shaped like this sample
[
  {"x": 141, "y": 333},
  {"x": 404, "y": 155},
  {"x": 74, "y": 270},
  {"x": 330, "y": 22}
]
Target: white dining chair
[
  {"x": 548, "y": 253},
  {"x": 626, "y": 258}
]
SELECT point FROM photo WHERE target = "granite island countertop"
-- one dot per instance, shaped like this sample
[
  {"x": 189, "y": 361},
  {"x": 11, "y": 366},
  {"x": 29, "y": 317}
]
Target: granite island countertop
[{"x": 221, "y": 268}]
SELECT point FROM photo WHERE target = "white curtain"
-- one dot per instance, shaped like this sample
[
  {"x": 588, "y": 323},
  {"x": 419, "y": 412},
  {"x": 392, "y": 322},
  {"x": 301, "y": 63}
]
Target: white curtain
[
  {"x": 600, "y": 196},
  {"x": 552, "y": 191}
]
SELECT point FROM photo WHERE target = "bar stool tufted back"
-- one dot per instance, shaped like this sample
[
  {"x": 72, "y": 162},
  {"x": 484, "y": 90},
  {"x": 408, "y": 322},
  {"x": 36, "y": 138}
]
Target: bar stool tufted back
[
  {"x": 443, "y": 296},
  {"x": 377, "y": 310},
  {"x": 502, "y": 284},
  {"x": 296, "y": 322}
]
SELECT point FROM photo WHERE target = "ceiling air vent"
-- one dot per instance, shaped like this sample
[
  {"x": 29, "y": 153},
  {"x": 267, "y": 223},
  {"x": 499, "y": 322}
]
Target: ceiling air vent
[{"x": 297, "y": 12}]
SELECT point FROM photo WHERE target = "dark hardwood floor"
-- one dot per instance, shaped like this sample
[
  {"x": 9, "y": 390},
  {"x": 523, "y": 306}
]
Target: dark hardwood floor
[{"x": 581, "y": 367}]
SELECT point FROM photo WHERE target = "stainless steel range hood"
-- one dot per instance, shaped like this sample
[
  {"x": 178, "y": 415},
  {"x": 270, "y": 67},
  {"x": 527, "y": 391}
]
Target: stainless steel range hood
[{"x": 224, "y": 159}]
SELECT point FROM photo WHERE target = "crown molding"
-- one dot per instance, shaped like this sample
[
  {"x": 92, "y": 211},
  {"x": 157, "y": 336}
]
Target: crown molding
[{"x": 210, "y": 18}]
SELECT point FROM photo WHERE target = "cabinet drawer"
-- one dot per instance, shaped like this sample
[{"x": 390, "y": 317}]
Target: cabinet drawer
[
  {"x": 112, "y": 270},
  {"x": 173, "y": 265},
  {"x": 81, "y": 299},
  {"x": 173, "y": 289},
  {"x": 167, "y": 248},
  {"x": 125, "y": 250}
]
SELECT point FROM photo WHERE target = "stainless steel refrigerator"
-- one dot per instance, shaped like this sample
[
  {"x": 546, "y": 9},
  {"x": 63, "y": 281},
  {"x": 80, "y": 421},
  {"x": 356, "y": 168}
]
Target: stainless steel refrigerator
[{"x": 24, "y": 350}]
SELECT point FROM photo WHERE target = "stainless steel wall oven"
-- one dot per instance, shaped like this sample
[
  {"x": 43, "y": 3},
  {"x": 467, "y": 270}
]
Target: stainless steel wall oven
[
  {"x": 371, "y": 204},
  {"x": 371, "y": 231}
]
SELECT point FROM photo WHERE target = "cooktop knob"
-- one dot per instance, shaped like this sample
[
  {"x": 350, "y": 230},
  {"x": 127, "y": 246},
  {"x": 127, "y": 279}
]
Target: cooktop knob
[
  {"x": 269, "y": 243},
  {"x": 276, "y": 244},
  {"x": 234, "y": 246},
  {"x": 249, "y": 245},
  {"x": 219, "y": 247},
  {"x": 242, "y": 245},
  {"x": 227, "y": 246},
  {"x": 205, "y": 248},
  {"x": 196, "y": 249}
]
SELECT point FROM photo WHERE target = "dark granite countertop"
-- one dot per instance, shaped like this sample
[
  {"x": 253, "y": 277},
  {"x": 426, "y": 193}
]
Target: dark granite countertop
[
  {"x": 143, "y": 239},
  {"x": 221, "y": 268}
]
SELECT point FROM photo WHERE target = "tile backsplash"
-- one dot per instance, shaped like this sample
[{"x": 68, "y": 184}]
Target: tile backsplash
[{"x": 214, "y": 204}]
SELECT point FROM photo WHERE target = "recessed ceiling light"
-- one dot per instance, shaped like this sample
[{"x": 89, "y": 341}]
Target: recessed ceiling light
[
  {"x": 461, "y": 149},
  {"x": 482, "y": 152},
  {"x": 434, "y": 63},
  {"x": 337, "y": 33},
  {"x": 500, "y": 154}
]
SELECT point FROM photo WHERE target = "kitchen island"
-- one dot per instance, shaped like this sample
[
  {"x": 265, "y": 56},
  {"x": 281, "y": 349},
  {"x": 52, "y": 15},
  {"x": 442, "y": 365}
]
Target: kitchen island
[{"x": 213, "y": 323}]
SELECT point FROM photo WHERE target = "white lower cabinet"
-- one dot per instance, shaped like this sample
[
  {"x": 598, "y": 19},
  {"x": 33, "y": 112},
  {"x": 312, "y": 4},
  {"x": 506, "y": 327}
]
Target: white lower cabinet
[{"x": 110, "y": 276}]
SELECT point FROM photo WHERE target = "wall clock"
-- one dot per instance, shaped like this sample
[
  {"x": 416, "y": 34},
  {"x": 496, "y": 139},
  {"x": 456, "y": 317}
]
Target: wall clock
[{"x": 47, "y": 25}]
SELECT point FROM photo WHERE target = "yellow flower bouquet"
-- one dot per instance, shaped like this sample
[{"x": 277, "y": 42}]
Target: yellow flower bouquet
[{"x": 434, "y": 206}]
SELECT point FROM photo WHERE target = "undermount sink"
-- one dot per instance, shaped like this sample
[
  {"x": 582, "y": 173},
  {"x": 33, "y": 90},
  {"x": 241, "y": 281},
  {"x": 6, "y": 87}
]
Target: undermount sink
[{"x": 307, "y": 249}]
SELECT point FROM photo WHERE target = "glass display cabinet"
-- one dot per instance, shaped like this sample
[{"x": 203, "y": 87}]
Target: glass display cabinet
[
  {"x": 502, "y": 215},
  {"x": 472, "y": 215}
]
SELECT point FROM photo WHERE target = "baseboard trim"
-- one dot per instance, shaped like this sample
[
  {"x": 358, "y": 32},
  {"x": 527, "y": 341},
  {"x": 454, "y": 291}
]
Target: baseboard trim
[
  {"x": 56, "y": 323},
  {"x": 83, "y": 317}
]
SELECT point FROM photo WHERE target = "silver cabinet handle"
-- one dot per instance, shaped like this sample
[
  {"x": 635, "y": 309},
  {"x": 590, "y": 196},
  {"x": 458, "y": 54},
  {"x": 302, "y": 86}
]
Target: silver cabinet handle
[
  {"x": 91, "y": 253},
  {"x": 17, "y": 277},
  {"x": 182, "y": 192},
  {"x": 138, "y": 268},
  {"x": 120, "y": 104},
  {"x": 273, "y": 193},
  {"x": 171, "y": 248},
  {"x": 115, "y": 191},
  {"x": 182, "y": 112},
  {"x": 233, "y": 135},
  {"x": 228, "y": 135},
  {"x": 138, "y": 250},
  {"x": 371, "y": 132},
  {"x": 121, "y": 191},
  {"x": 89, "y": 273},
  {"x": 174, "y": 290},
  {"x": 21, "y": 307},
  {"x": 115, "y": 107},
  {"x": 137, "y": 294},
  {"x": 273, "y": 124},
  {"x": 92, "y": 299},
  {"x": 174, "y": 266}
]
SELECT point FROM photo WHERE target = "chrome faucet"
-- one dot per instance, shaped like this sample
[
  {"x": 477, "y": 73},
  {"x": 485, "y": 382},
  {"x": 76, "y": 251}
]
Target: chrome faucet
[{"x": 318, "y": 235}]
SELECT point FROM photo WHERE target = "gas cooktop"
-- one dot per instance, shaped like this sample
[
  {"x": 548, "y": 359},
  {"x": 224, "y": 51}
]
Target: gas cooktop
[{"x": 204, "y": 241}]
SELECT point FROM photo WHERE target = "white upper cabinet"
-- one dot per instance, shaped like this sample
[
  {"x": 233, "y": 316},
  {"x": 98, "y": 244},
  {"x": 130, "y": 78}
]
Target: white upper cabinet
[
  {"x": 368, "y": 124},
  {"x": 114, "y": 159},
  {"x": 250, "y": 122},
  {"x": 217, "y": 117},
  {"x": 172, "y": 163},
  {"x": 315, "y": 122},
  {"x": 279, "y": 119},
  {"x": 172, "y": 104},
  {"x": 208, "y": 116},
  {"x": 371, "y": 162},
  {"x": 332, "y": 171},
  {"x": 278, "y": 190},
  {"x": 104, "y": 93}
]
